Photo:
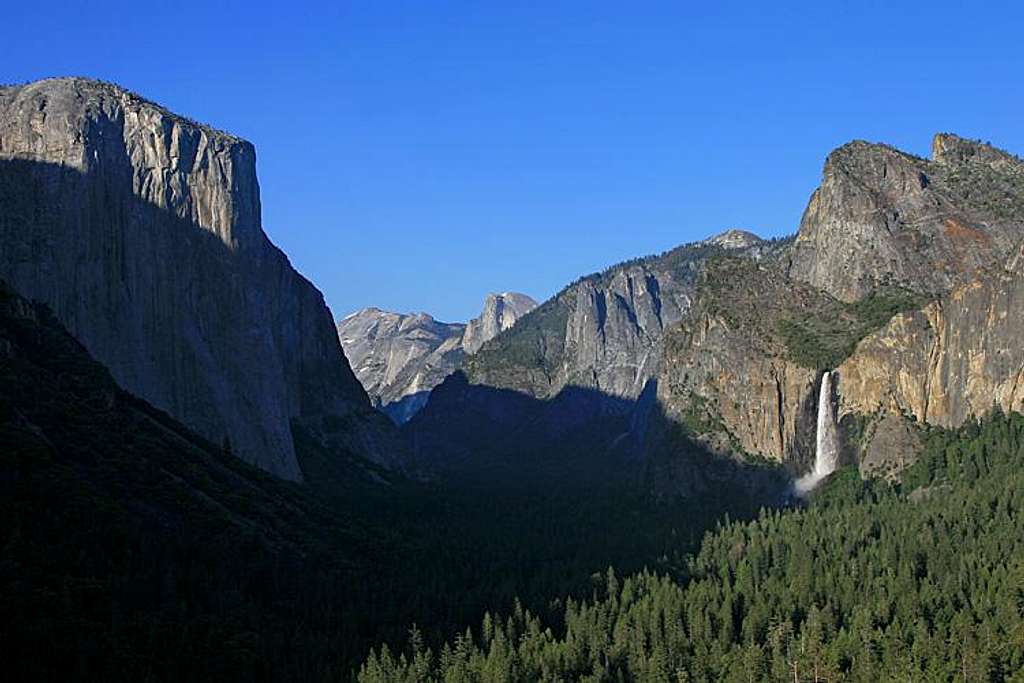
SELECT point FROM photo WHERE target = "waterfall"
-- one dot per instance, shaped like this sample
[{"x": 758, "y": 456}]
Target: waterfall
[{"x": 826, "y": 455}]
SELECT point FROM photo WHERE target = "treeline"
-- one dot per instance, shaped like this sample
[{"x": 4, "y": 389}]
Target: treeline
[
  {"x": 132, "y": 549},
  {"x": 923, "y": 582}
]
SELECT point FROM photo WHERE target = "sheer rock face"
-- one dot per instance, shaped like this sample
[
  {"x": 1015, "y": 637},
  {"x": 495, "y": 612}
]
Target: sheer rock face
[
  {"x": 501, "y": 311},
  {"x": 141, "y": 230},
  {"x": 882, "y": 216},
  {"x": 960, "y": 355},
  {"x": 615, "y": 327},
  {"x": 727, "y": 377},
  {"x": 734, "y": 397},
  {"x": 602, "y": 332},
  {"x": 400, "y": 358},
  {"x": 956, "y": 358},
  {"x": 574, "y": 379}
]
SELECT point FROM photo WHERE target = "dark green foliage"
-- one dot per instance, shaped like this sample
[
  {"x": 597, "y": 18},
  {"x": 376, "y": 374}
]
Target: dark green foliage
[
  {"x": 536, "y": 341},
  {"x": 132, "y": 549},
  {"x": 867, "y": 583},
  {"x": 778, "y": 316},
  {"x": 822, "y": 342}
]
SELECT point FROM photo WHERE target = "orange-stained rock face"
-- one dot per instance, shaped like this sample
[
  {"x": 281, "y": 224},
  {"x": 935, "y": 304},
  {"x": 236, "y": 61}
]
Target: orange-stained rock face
[
  {"x": 965, "y": 235},
  {"x": 885, "y": 217},
  {"x": 956, "y": 358}
]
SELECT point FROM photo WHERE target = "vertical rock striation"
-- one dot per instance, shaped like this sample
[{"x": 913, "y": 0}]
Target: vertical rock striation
[
  {"x": 604, "y": 331},
  {"x": 142, "y": 231},
  {"x": 501, "y": 311},
  {"x": 400, "y": 358}
]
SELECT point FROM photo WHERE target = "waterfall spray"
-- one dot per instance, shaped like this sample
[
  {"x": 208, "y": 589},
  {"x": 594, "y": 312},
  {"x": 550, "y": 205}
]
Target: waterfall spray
[{"x": 826, "y": 456}]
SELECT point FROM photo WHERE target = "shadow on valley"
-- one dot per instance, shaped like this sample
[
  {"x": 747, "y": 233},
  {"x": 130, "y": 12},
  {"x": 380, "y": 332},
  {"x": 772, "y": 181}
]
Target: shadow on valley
[
  {"x": 219, "y": 331},
  {"x": 134, "y": 548},
  {"x": 402, "y": 410},
  {"x": 581, "y": 439}
]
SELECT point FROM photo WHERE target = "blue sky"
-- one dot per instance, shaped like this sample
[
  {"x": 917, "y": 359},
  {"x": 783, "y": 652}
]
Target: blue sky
[{"x": 417, "y": 155}]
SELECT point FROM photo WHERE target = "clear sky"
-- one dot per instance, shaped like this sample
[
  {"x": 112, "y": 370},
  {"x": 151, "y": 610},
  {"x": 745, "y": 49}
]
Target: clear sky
[{"x": 417, "y": 155}]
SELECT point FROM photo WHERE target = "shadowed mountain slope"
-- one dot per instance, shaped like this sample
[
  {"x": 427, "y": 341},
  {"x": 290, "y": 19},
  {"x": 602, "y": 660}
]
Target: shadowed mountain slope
[
  {"x": 132, "y": 546},
  {"x": 141, "y": 230},
  {"x": 135, "y": 549}
]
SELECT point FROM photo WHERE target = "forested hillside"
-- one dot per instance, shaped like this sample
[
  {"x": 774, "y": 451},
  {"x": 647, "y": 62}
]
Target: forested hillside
[
  {"x": 133, "y": 549},
  {"x": 867, "y": 583}
]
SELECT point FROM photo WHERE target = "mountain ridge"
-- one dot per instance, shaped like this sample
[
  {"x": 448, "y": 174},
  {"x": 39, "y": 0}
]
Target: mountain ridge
[
  {"x": 602, "y": 332},
  {"x": 142, "y": 231},
  {"x": 399, "y": 358}
]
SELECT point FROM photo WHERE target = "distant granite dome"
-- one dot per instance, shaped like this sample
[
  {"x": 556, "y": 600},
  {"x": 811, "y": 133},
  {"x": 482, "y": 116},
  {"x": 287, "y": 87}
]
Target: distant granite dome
[
  {"x": 141, "y": 229},
  {"x": 400, "y": 358},
  {"x": 734, "y": 239},
  {"x": 501, "y": 311}
]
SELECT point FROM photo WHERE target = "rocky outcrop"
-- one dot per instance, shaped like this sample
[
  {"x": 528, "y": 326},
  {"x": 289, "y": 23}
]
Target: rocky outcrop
[
  {"x": 729, "y": 378},
  {"x": 734, "y": 239},
  {"x": 956, "y": 358},
  {"x": 952, "y": 228},
  {"x": 741, "y": 371},
  {"x": 604, "y": 331},
  {"x": 400, "y": 358},
  {"x": 501, "y": 311},
  {"x": 888, "y": 444},
  {"x": 142, "y": 231},
  {"x": 573, "y": 380},
  {"x": 884, "y": 217}
]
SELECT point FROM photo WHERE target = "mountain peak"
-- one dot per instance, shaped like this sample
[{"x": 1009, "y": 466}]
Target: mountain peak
[
  {"x": 948, "y": 148},
  {"x": 500, "y": 312},
  {"x": 81, "y": 92},
  {"x": 883, "y": 217},
  {"x": 734, "y": 238},
  {"x": 400, "y": 358},
  {"x": 517, "y": 300}
]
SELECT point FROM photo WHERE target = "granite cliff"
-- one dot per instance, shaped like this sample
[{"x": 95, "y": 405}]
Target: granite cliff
[
  {"x": 885, "y": 217},
  {"x": 901, "y": 279},
  {"x": 603, "y": 331},
  {"x": 575, "y": 377},
  {"x": 400, "y": 358},
  {"x": 501, "y": 311},
  {"x": 142, "y": 231},
  {"x": 885, "y": 234},
  {"x": 954, "y": 359}
]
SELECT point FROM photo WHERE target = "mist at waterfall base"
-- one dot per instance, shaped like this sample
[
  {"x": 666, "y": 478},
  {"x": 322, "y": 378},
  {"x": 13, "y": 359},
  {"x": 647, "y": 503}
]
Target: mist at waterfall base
[{"x": 826, "y": 455}]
